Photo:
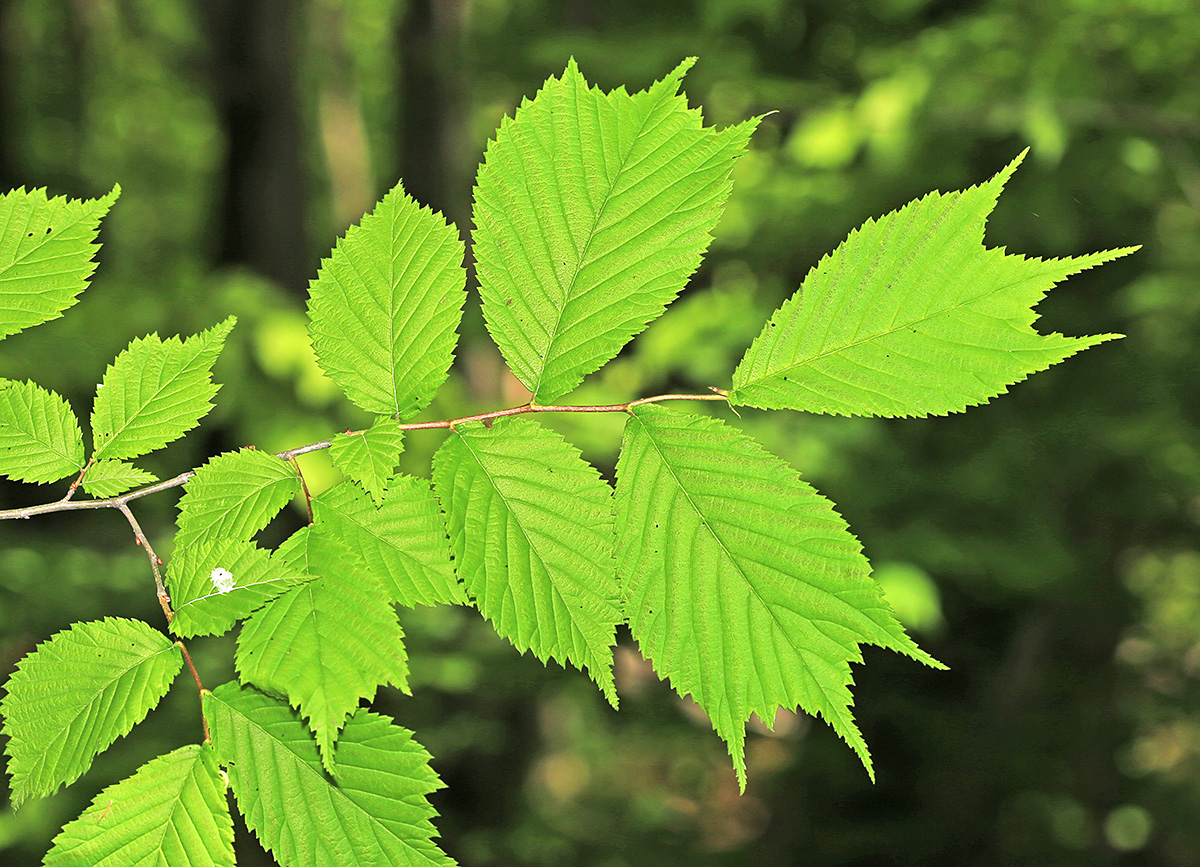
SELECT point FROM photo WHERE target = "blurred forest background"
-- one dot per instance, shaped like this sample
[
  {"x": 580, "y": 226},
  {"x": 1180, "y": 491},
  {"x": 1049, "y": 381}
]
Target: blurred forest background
[{"x": 1044, "y": 546}]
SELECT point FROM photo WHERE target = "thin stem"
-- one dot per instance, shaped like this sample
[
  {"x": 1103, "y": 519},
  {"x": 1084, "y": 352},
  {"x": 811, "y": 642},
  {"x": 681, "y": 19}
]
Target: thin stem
[
  {"x": 304, "y": 485},
  {"x": 66, "y": 504},
  {"x": 163, "y": 598},
  {"x": 199, "y": 687}
]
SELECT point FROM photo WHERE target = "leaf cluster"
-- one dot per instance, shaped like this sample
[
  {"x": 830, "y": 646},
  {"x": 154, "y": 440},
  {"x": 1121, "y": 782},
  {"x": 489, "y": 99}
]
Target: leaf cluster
[{"x": 740, "y": 582}]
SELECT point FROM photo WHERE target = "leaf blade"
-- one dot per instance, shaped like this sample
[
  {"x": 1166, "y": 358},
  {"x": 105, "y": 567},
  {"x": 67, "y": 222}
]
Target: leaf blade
[
  {"x": 369, "y": 457},
  {"x": 403, "y": 542},
  {"x": 172, "y": 811},
  {"x": 108, "y": 478},
  {"x": 564, "y": 288},
  {"x": 234, "y": 495},
  {"x": 721, "y": 545},
  {"x": 155, "y": 392},
  {"x": 216, "y": 582},
  {"x": 384, "y": 307},
  {"x": 531, "y": 529},
  {"x": 911, "y": 315},
  {"x": 377, "y": 813},
  {"x": 76, "y": 693},
  {"x": 327, "y": 643},
  {"x": 46, "y": 250},
  {"x": 40, "y": 440}
]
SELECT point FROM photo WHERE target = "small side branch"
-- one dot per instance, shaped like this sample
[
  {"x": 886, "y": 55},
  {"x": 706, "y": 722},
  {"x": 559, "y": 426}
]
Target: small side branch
[
  {"x": 155, "y": 561},
  {"x": 187, "y": 657}
]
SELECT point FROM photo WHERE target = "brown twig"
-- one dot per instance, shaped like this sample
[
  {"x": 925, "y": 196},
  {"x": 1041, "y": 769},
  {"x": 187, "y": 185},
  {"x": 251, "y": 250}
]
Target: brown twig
[
  {"x": 199, "y": 687},
  {"x": 66, "y": 504},
  {"x": 304, "y": 485},
  {"x": 155, "y": 561}
]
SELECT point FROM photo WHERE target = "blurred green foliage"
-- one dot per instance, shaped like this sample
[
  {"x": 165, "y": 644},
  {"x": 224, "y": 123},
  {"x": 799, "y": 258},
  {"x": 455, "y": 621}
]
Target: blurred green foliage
[{"x": 1044, "y": 546}]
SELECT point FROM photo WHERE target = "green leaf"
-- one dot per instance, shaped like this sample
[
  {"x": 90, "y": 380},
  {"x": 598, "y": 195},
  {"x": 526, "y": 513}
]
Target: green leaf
[
  {"x": 215, "y": 583},
  {"x": 46, "y": 249},
  {"x": 384, "y": 307},
  {"x": 171, "y": 813},
  {"x": 40, "y": 439},
  {"x": 376, "y": 813},
  {"x": 403, "y": 542},
  {"x": 110, "y": 478},
  {"x": 155, "y": 392},
  {"x": 73, "y": 696},
  {"x": 531, "y": 528},
  {"x": 327, "y": 644},
  {"x": 912, "y": 315},
  {"x": 234, "y": 496},
  {"x": 369, "y": 457},
  {"x": 592, "y": 210},
  {"x": 742, "y": 584}
]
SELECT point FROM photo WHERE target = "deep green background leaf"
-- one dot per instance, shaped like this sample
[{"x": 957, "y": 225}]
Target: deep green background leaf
[
  {"x": 376, "y": 813},
  {"x": 385, "y": 305},
  {"x": 742, "y": 585},
  {"x": 531, "y": 528},
  {"x": 592, "y": 209},
  {"x": 403, "y": 542},
  {"x": 234, "y": 496},
  {"x": 155, "y": 392},
  {"x": 325, "y": 644},
  {"x": 40, "y": 440},
  {"x": 171, "y": 813},
  {"x": 76, "y": 694},
  {"x": 46, "y": 249},
  {"x": 912, "y": 315}
]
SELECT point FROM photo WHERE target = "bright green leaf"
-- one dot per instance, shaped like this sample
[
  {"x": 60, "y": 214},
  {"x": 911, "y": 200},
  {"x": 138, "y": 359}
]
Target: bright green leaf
[
  {"x": 369, "y": 457},
  {"x": 742, "y": 584},
  {"x": 376, "y": 813},
  {"x": 403, "y": 542},
  {"x": 215, "y": 583},
  {"x": 234, "y": 496},
  {"x": 384, "y": 307},
  {"x": 171, "y": 813},
  {"x": 592, "y": 210},
  {"x": 531, "y": 528},
  {"x": 155, "y": 392},
  {"x": 110, "y": 478},
  {"x": 40, "y": 439},
  {"x": 328, "y": 643},
  {"x": 912, "y": 315},
  {"x": 46, "y": 250},
  {"x": 76, "y": 694}
]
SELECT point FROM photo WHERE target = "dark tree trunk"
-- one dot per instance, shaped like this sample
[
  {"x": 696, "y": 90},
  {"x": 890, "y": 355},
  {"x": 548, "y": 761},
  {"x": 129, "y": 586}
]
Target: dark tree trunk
[{"x": 262, "y": 212}]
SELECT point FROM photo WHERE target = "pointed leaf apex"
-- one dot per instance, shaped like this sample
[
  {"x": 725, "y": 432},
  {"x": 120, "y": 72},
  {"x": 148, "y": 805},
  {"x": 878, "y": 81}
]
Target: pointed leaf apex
[{"x": 676, "y": 75}]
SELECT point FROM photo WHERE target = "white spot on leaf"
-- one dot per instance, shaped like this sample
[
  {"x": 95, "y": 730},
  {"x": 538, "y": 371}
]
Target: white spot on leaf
[{"x": 222, "y": 580}]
